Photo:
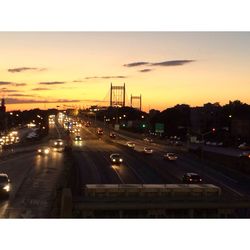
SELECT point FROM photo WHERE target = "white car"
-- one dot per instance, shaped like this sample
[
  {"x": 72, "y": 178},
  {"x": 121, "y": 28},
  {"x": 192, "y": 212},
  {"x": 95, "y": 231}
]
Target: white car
[
  {"x": 170, "y": 156},
  {"x": 58, "y": 142},
  {"x": 43, "y": 151},
  {"x": 148, "y": 150},
  {"x": 131, "y": 144}
]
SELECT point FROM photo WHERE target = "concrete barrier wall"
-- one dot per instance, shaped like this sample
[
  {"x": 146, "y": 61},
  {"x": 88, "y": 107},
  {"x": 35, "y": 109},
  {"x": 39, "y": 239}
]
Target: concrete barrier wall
[{"x": 173, "y": 190}]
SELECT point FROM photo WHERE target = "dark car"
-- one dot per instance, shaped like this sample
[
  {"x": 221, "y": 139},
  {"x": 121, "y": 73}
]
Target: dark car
[
  {"x": 112, "y": 135},
  {"x": 116, "y": 159},
  {"x": 4, "y": 185},
  {"x": 100, "y": 131},
  {"x": 191, "y": 178}
]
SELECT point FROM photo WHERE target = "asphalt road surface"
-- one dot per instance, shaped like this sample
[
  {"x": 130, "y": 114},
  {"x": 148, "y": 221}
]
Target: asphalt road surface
[
  {"x": 33, "y": 180},
  {"x": 92, "y": 160}
]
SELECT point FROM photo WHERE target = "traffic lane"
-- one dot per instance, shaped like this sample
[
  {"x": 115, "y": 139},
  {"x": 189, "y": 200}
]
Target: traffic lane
[
  {"x": 134, "y": 164},
  {"x": 34, "y": 196},
  {"x": 144, "y": 166},
  {"x": 93, "y": 158},
  {"x": 96, "y": 167},
  {"x": 239, "y": 187},
  {"x": 184, "y": 165},
  {"x": 17, "y": 169}
]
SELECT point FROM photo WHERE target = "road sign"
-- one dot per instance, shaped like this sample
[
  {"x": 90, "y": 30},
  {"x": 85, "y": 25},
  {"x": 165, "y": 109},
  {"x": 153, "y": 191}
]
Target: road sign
[{"x": 159, "y": 128}]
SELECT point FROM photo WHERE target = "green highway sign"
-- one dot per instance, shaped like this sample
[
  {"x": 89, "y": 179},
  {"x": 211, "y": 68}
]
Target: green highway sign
[{"x": 159, "y": 128}]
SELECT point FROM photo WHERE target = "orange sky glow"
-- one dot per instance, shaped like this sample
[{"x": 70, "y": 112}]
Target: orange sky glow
[{"x": 75, "y": 69}]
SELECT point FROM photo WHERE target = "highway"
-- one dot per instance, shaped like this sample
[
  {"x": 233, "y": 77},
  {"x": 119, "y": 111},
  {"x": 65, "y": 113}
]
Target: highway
[
  {"x": 33, "y": 178},
  {"x": 94, "y": 166}
]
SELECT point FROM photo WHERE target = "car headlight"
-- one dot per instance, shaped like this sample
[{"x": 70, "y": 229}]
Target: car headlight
[
  {"x": 7, "y": 187},
  {"x": 46, "y": 151},
  {"x": 39, "y": 150},
  {"x": 61, "y": 143},
  {"x": 120, "y": 160},
  {"x": 55, "y": 143},
  {"x": 113, "y": 160}
]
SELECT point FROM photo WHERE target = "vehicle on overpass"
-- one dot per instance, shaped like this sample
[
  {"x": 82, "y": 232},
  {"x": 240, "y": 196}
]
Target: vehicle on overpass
[
  {"x": 130, "y": 144},
  {"x": 170, "y": 156},
  {"x": 116, "y": 158},
  {"x": 148, "y": 150},
  {"x": 43, "y": 150},
  {"x": 4, "y": 185},
  {"x": 191, "y": 178}
]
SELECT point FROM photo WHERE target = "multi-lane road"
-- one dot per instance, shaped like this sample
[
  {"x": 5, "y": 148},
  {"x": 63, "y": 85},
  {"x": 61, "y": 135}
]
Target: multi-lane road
[
  {"x": 94, "y": 165},
  {"x": 35, "y": 177}
]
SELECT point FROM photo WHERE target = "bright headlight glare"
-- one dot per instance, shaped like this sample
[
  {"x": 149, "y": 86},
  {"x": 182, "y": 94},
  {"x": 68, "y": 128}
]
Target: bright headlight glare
[
  {"x": 55, "y": 143},
  {"x": 114, "y": 160},
  {"x": 61, "y": 143},
  {"x": 120, "y": 160},
  {"x": 7, "y": 187},
  {"x": 46, "y": 151},
  {"x": 39, "y": 150}
]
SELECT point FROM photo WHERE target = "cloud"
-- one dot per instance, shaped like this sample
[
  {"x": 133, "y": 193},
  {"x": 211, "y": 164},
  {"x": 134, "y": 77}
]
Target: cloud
[
  {"x": 79, "y": 81},
  {"x": 5, "y": 83},
  {"x": 21, "y": 69},
  {"x": 135, "y": 64},
  {"x": 5, "y": 90},
  {"x": 20, "y": 84},
  {"x": 17, "y": 101},
  {"x": 41, "y": 89},
  {"x": 165, "y": 63},
  {"x": 12, "y": 83},
  {"x": 145, "y": 70},
  {"x": 172, "y": 63},
  {"x": 23, "y": 95},
  {"x": 104, "y": 77},
  {"x": 51, "y": 83}
]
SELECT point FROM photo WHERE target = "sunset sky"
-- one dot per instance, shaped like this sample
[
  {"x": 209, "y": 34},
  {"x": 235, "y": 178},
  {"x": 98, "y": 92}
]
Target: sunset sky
[{"x": 43, "y": 70}]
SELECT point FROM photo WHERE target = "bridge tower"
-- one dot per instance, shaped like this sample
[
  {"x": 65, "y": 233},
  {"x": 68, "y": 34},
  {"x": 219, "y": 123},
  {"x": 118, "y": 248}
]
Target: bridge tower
[
  {"x": 135, "y": 98},
  {"x": 117, "y": 96}
]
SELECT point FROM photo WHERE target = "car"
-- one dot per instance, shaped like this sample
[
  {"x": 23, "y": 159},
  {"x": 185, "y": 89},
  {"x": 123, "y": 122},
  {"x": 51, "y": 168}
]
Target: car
[
  {"x": 191, "y": 178},
  {"x": 100, "y": 131},
  {"x": 244, "y": 146},
  {"x": 5, "y": 184},
  {"x": 170, "y": 156},
  {"x": 245, "y": 154},
  {"x": 148, "y": 150},
  {"x": 78, "y": 138},
  {"x": 112, "y": 135},
  {"x": 148, "y": 140},
  {"x": 58, "y": 145},
  {"x": 130, "y": 144},
  {"x": 116, "y": 158},
  {"x": 43, "y": 150}
]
